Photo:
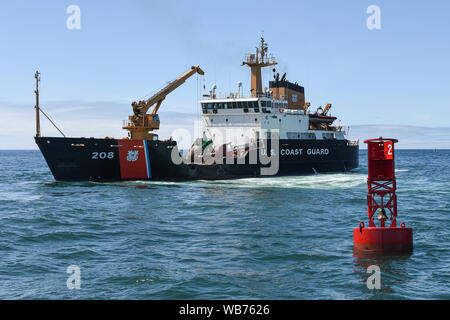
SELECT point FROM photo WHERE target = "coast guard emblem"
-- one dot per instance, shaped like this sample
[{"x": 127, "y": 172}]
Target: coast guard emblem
[{"x": 132, "y": 155}]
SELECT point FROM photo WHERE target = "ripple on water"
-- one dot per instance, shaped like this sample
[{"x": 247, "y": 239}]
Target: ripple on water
[{"x": 269, "y": 238}]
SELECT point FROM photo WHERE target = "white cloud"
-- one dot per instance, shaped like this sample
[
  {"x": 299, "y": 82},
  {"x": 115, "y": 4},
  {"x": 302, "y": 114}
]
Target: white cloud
[
  {"x": 77, "y": 119},
  {"x": 410, "y": 137},
  {"x": 100, "y": 119}
]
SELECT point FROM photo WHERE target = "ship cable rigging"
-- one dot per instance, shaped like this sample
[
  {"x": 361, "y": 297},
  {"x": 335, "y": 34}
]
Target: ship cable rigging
[
  {"x": 48, "y": 118},
  {"x": 37, "y": 76}
]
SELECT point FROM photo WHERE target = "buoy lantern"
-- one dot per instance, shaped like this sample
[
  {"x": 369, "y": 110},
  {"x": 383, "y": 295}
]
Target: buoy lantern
[{"x": 382, "y": 204}]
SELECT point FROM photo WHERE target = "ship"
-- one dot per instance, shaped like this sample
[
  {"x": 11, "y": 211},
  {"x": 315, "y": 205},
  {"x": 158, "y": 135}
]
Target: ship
[{"x": 267, "y": 132}]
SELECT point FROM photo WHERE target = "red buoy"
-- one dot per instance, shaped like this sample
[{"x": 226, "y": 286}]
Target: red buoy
[{"x": 381, "y": 199}]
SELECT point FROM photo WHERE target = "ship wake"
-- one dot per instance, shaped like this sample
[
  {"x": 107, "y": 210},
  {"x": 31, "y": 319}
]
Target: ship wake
[{"x": 325, "y": 181}]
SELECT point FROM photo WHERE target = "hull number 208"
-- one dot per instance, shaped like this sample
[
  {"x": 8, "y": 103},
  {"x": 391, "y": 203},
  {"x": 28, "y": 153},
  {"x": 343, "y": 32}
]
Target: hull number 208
[{"x": 102, "y": 155}]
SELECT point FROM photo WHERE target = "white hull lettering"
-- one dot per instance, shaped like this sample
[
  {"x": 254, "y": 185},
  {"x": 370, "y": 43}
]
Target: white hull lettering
[
  {"x": 314, "y": 152},
  {"x": 291, "y": 152},
  {"x": 309, "y": 152},
  {"x": 264, "y": 153}
]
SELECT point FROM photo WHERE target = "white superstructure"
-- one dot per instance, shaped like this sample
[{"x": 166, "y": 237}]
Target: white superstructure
[{"x": 244, "y": 120}]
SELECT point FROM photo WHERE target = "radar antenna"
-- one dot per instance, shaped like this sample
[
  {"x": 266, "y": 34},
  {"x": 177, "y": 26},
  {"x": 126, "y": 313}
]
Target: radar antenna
[{"x": 256, "y": 61}]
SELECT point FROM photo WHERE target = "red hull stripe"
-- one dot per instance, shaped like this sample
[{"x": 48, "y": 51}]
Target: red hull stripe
[{"x": 133, "y": 159}]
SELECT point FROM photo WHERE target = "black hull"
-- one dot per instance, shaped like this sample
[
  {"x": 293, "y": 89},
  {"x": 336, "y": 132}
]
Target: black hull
[{"x": 84, "y": 159}]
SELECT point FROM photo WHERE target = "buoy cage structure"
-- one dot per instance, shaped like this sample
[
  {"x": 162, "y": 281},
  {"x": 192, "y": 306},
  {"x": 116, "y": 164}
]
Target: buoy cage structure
[{"x": 382, "y": 200}]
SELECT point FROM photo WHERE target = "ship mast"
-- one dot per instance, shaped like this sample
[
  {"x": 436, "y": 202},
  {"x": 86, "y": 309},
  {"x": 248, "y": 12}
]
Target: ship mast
[
  {"x": 256, "y": 61},
  {"x": 38, "y": 122}
]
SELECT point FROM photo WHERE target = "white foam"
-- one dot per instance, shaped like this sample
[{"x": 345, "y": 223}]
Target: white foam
[
  {"x": 19, "y": 196},
  {"x": 317, "y": 181}
]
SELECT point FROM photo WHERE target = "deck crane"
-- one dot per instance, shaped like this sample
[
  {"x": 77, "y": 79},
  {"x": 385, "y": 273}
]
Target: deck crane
[
  {"x": 323, "y": 112},
  {"x": 140, "y": 123},
  {"x": 327, "y": 108}
]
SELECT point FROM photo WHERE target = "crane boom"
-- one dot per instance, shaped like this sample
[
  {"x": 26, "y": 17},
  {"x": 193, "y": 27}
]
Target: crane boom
[
  {"x": 141, "y": 123},
  {"x": 327, "y": 108},
  {"x": 142, "y": 106}
]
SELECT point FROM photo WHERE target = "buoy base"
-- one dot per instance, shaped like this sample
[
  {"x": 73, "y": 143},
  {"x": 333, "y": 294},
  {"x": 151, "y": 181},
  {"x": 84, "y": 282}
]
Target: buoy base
[{"x": 380, "y": 240}]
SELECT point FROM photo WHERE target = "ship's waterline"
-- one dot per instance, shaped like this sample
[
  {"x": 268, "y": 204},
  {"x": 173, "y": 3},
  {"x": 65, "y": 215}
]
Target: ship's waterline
[{"x": 81, "y": 159}]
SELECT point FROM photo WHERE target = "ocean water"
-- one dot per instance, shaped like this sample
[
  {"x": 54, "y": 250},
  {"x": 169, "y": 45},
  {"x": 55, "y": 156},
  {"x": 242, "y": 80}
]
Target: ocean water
[{"x": 263, "y": 238}]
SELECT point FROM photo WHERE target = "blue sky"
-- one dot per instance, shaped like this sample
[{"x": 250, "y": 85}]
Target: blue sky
[{"x": 396, "y": 77}]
